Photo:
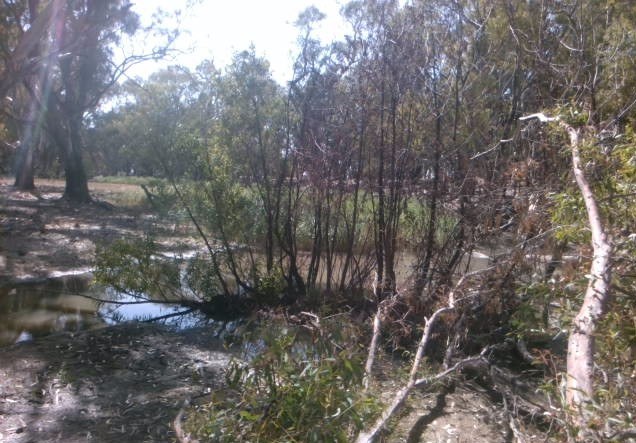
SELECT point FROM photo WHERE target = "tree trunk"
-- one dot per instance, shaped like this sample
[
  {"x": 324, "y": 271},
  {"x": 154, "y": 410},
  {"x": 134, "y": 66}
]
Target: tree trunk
[
  {"x": 24, "y": 179},
  {"x": 76, "y": 189},
  {"x": 24, "y": 168},
  {"x": 580, "y": 359}
]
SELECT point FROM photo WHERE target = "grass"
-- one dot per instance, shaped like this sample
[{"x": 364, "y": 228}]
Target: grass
[
  {"x": 128, "y": 195},
  {"x": 124, "y": 180}
]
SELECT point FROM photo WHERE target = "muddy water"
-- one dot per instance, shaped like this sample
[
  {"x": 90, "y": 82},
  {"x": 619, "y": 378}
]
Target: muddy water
[{"x": 68, "y": 303}]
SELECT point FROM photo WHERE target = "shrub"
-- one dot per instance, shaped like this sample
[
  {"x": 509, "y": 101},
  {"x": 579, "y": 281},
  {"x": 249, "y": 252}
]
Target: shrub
[{"x": 296, "y": 390}]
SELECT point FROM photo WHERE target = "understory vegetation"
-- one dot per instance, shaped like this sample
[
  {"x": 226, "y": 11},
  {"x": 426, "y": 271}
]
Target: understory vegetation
[{"x": 451, "y": 188}]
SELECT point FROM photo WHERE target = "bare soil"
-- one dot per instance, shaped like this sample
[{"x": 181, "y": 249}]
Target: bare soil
[
  {"x": 120, "y": 383},
  {"x": 124, "y": 383},
  {"x": 42, "y": 236}
]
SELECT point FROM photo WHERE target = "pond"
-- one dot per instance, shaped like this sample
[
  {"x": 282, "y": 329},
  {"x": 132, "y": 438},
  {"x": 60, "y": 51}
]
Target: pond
[{"x": 70, "y": 303}]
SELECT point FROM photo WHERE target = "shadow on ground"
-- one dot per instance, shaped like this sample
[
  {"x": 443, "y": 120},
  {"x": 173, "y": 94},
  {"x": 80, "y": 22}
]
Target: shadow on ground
[{"x": 122, "y": 383}]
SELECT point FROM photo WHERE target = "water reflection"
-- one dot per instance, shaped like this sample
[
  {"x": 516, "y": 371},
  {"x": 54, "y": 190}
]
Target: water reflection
[
  {"x": 35, "y": 309},
  {"x": 70, "y": 303},
  {"x": 128, "y": 308}
]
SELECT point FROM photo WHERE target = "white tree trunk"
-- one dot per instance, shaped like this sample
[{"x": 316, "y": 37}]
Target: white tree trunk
[{"x": 580, "y": 359}]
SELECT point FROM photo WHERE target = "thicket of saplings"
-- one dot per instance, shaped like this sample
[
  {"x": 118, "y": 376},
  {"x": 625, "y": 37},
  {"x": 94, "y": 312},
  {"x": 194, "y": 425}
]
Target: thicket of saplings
[{"x": 316, "y": 365}]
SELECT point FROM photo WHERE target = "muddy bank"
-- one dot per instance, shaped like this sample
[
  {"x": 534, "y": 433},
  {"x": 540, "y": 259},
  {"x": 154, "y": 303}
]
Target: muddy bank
[{"x": 121, "y": 383}]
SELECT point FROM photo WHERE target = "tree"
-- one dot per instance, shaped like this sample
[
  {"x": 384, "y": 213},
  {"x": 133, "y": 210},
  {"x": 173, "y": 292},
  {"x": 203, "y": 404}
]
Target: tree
[
  {"x": 148, "y": 132},
  {"x": 65, "y": 70},
  {"x": 85, "y": 73},
  {"x": 25, "y": 58},
  {"x": 591, "y": 51}
]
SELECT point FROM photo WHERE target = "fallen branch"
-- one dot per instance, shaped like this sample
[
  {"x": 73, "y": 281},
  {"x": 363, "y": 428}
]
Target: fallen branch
[
  {"x": 525, "y": 354},
  {"x": 372, "y": 347},
  {"x": 511, "y": 422},
  {"x": 402, "y": 394},
  {"x": 182, "y": 437}
]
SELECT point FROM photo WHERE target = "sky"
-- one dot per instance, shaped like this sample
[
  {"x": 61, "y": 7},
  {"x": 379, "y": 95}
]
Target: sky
[{"x": 216, "y": 29}]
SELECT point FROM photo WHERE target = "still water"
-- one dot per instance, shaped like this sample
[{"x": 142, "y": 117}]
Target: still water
[{"x": 69, "y": 303}]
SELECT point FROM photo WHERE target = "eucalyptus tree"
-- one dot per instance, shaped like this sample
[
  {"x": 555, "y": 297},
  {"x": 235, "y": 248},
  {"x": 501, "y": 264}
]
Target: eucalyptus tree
[
  {"x": 591, "y": 67},
  {"x": 26, "y": 52},
  {"x": 252, "y": 128},
  {"x": 69, "y": 53}
]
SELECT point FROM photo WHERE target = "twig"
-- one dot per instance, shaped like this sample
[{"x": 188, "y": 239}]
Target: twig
[
  {"x": 499, "y": 143},
  {"x": 167, "y": 316},
  {"x": 413, "y": 382},
  {"x": 511, "y": 422},
  {"x": 525, "y": 354},
  {"x": 402, "y": 394}
]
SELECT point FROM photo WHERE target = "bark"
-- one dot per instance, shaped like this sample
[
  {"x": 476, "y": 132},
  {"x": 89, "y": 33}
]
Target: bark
[
  {"x": 21, "y": 64},
  {"x": 368, "y": 367},
  {"x": 24, "y": 179},
  {"x": 76, "y": 189},
  {"x": 581, "y": 343}
]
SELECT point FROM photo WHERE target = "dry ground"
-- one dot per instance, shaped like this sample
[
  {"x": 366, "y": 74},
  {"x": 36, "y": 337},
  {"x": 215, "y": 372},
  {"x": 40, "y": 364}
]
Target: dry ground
[
  {"x": 124, "y": 383},
  {"x": 42, "y": 236}
]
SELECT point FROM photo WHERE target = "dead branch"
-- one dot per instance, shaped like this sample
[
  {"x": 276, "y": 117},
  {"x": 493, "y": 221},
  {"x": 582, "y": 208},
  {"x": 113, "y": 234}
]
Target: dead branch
[
  {"x": 182, "y": 437},
  {"x": 400, "y": 396},
  {"x": 525, "y": 354},
  {"x": 372, "y": 347},
  {"x": 512, "y": 423}
]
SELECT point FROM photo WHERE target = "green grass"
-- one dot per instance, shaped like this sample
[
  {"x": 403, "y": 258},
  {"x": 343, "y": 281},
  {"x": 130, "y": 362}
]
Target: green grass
[{"x": 125, "y": 180}]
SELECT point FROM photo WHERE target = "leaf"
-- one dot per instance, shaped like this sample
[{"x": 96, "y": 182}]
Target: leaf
[{"x": 249, "y": 416}]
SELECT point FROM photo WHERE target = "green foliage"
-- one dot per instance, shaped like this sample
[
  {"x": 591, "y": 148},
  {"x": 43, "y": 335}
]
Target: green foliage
[
  {"x": 202, "y": 277},
  {"x": 298, "y": 389},
  {"x": 270, "y": 289},
  {"x": 569, "y": 216},
  {"x": 133, "y": 267},
  {"x": 416, "y": 219},
  {"x": 529, "y": 315},
  {"x": 610, "y": 167}
]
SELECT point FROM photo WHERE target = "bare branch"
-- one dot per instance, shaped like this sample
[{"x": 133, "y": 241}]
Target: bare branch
[
  {"x": 539, "y": 115},
  {"x": 402, "y": 394},
  {"x": 372, "y": 347},
  {"x": 413, "y": 382},
  {"x": 499, "y": 143}
]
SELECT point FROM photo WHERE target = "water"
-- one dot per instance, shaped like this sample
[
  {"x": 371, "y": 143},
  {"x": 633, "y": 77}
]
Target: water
[{"x": 69, "y": 303}]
